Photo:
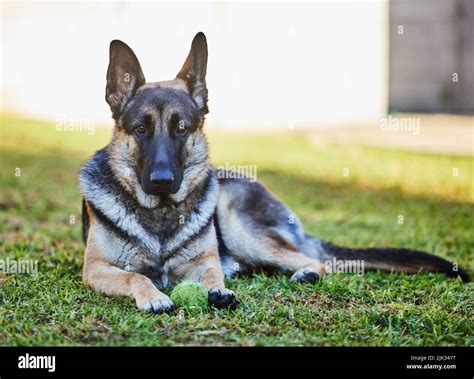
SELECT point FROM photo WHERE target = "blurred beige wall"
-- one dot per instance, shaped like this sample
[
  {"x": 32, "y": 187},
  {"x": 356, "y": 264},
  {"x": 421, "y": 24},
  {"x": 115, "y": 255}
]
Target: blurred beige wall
[{"x": 270, "y": 64}]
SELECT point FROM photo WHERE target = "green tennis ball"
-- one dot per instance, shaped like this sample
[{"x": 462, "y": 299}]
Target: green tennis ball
[{"x": 189, "y": 295}]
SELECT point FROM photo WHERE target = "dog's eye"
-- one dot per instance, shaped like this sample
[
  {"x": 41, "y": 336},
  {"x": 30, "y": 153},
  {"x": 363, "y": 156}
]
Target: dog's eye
[
  {"x": 181, "y": 128},
  {"x": 140, "y": 129}
]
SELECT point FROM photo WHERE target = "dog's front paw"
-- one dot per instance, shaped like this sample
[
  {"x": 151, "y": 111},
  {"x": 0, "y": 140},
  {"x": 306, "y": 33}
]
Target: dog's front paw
[
  {"x": 162, "y": 304},
  {"x": 222, "y": 298}
]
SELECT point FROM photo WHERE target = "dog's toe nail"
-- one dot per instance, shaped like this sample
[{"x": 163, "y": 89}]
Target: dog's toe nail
[{"x": 162, "y": 306}]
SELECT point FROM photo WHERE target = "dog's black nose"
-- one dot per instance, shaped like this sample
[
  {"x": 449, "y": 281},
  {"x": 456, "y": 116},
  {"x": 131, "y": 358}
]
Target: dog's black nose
[{"x": 162, "y": 178}]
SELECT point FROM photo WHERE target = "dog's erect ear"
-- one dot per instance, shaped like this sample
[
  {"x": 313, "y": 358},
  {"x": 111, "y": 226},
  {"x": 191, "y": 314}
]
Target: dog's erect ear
[
  {"x": 124, "y": 77},
  {"x": 194, "y": 70}
]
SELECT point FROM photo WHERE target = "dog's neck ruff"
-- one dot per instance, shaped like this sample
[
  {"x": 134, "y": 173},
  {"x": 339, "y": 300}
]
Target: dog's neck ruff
[{"x": 162, "y": 230}]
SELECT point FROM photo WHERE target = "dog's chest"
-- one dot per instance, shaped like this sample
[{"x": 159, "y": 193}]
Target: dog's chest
[
  {"x": 166, "y": 232},
  {"x": 140, "y": 261},
  {"x": 164, "y": 222}
]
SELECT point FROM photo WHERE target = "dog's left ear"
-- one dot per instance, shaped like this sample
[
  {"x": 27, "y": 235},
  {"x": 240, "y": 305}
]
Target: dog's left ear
[{"x": 194, "y": 70}]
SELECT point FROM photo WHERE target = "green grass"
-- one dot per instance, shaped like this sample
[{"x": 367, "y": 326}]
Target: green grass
[{"x": 54, "y": 308}]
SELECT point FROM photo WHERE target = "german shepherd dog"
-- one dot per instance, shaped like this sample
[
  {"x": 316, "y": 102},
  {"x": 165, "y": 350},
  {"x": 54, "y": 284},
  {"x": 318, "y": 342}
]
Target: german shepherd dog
[{"x": 156, "y": 212}]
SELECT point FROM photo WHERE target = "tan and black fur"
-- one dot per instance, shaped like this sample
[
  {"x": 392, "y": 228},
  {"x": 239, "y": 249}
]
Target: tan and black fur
[{"x": 155, "y": 211}]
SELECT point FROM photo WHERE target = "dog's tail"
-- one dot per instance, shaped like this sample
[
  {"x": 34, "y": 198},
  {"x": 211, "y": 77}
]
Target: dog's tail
[{"x": 388, "y": 259}]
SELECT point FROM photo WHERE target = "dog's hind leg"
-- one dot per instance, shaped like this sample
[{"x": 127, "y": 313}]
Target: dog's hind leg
[
  {"x": 270, "y": 252},
  {"x": 261, "y": 233}
]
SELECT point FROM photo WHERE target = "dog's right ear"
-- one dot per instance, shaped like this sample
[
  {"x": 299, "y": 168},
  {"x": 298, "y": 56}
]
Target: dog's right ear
[{"x": 124, "y": 77}]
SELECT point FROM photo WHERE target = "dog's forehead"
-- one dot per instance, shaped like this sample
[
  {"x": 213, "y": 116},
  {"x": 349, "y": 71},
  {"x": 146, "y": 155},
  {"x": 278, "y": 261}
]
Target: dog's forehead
[
  {"x": 162, "y": 98},
  {"x": 159, "y": 98}
]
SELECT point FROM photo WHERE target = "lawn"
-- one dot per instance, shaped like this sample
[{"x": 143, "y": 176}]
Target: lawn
[{"x": 40, "y": 220}]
